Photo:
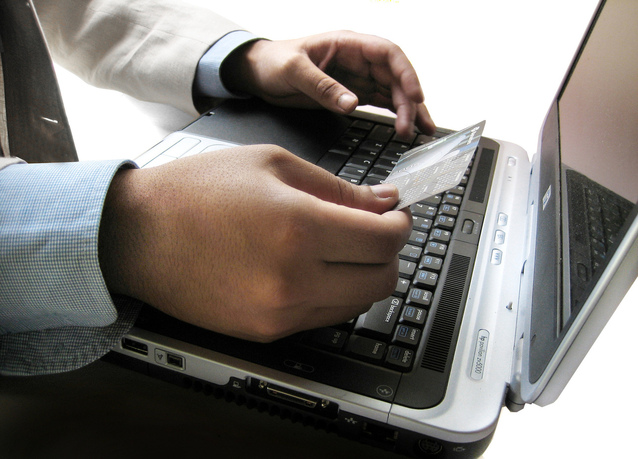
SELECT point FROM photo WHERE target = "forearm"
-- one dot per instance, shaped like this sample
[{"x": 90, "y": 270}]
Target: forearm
[
  {"x": 147, "y": 49},
  {"x": 52, "y": 286}
]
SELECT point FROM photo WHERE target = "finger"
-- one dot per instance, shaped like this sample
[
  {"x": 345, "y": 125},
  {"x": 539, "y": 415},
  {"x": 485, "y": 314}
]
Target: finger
[
  {"x": 315, "y": 181},
  {"x": 307, "y": 78},
  {"x": 383, "y": 88},
  {"x": 424, "y": 121},
  {"x": 350, "y": 290},
  {"x": 391, "y": 67},
  {"x": 347, "y": 223},
  {"x": 346, "y": 235},
  {"x": 406, "y": 112}
]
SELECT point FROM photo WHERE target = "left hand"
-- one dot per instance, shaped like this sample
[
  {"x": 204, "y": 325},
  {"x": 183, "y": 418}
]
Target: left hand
[{"x": 336, "y": 70}]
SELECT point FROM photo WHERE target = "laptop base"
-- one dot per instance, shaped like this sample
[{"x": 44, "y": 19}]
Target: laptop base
[{"x": 304, "y": 409}]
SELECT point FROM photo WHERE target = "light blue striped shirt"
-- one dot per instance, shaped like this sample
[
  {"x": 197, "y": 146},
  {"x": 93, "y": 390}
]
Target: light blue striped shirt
[
  {"x": 55, "y": 308},
  {"x": 56, "y": 313}
]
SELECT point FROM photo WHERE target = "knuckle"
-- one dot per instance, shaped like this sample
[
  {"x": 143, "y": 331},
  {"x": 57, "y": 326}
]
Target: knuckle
[
  {"x": 344, "y": 192},
  {"x": 326, "y": 87},
  {"x": 388, "y": 284},
  {"x": 391, "y": 243},
  {"x": 275, "y": 321},
  {"x": 277, "y": 155}
]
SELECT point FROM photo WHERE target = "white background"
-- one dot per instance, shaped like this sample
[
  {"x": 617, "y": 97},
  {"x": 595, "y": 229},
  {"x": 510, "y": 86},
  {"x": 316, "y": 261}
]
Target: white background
[{"x": 501, "y": 61}]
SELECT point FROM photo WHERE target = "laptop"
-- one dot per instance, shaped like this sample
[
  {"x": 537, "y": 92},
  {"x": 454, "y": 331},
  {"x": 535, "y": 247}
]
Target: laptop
[{"x": 506, "y": 282}]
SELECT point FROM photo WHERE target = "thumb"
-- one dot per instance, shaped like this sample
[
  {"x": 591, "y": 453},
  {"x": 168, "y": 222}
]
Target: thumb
[
  {"x": 323, "y": 89},
  {"x": 378, "y": 198},
  {"x": 311, "y": 179}
]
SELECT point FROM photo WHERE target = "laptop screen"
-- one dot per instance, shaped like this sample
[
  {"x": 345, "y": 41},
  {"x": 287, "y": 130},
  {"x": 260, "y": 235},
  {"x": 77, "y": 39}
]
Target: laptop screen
[{"x": 589, "y": 178}]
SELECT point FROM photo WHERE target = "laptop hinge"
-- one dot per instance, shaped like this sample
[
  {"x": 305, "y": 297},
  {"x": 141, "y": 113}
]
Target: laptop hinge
[{"x": 513, "y": 400}]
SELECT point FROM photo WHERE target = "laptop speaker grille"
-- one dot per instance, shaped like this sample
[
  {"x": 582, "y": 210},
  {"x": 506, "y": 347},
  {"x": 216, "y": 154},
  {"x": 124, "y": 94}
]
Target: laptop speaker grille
[{"x": 444, "y": 325}]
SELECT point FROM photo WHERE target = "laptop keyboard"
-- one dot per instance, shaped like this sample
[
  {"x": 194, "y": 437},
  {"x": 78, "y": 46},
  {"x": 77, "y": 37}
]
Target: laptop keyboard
[
  {"x": 391, "y": 331},
  {"x": 605, "y": 215},
  {"x": 595, "y": 218}
]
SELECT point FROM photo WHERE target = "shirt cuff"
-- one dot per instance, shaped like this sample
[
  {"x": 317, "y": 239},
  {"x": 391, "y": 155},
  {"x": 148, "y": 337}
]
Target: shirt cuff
[
  {"x": 208, "y": 82},
  {"x": 51, "y": 276}
]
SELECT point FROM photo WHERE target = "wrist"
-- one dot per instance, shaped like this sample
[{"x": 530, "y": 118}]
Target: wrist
[
  {"x": 116, "y": 248},
  {"x": 237, "y": 71}
]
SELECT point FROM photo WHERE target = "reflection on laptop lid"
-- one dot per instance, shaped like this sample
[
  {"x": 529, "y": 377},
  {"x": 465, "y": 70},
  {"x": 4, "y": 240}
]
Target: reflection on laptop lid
[
  {"x": 504, "y": 285},
  {"x": 587, "y": 189}
]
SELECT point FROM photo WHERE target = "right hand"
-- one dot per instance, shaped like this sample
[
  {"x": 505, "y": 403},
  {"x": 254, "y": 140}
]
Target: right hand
[
  {"x": 335, "y": 70},
  {"x": 252, "y": 242}
]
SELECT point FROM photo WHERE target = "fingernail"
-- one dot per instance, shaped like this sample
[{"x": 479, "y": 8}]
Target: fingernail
[
  {"x": 347, "y": 102},
  {"x": 384, "y": 190}
]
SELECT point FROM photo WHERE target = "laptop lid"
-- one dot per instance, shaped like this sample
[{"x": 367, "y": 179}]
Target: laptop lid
[{"x": 589, "y": 133}]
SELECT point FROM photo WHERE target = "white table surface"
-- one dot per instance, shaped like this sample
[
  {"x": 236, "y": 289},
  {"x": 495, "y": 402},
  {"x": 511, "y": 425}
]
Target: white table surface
[{"x": 501, "y": 61}]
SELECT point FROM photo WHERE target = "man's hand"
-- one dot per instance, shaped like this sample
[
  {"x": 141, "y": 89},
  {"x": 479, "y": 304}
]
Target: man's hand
[
  {"x": 252, "y": 242},
  {"x": 337, "y": 70}
]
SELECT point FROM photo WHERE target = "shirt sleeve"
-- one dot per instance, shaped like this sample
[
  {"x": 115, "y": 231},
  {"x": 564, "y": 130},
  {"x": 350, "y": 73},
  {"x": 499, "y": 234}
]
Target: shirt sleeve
[
  {"x": 148, "y": 49},
  {"x": 208, "y": 81},
  {"x": 56, "y": 313}
]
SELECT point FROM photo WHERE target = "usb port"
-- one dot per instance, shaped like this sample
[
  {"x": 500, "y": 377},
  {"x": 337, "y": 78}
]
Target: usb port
[
  {"x": 134, "y": 346},
  {"x": 175, "y": 361}
]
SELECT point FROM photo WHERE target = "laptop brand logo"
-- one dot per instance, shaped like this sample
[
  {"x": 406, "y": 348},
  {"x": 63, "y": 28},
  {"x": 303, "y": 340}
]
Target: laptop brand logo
[{"x": 480, "y": 354}]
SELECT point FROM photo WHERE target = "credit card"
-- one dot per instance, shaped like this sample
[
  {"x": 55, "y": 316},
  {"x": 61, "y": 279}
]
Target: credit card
[{"x": 434, "y": 167}]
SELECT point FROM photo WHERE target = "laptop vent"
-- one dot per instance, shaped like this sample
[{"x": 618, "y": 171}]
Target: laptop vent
[
  {"x": 482, "y": 176},
  {"x": 445, "y": 321}
]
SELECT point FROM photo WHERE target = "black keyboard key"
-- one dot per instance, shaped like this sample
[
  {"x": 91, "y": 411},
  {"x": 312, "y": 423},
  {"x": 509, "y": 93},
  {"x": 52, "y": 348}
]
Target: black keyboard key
[
  {"x": 404, "y": 334},
  {"x": 460, "y": 190},
  {"x": 406, "y": 139},
  {"x": 402, "y": 287},
  {"x": 381, "y": 318},
  {"x": 392, "y": 154},
  {"x": 443, "y": 221},
  {"x": 379, "y": 173},
  {"x": 440, "y": 235},
  {"x": 351, "y": 139},
  {"x": 332, "y": 162},
  {"x": 435, "y": 248},
  {"x": 361, "y": 163},
  {"x": 411, "y": 252},
  {"x": 371, "y": 145},
  {"x": 362, "y": 124},
  {"x": 413, "y": 315},
  {"x": 371, "y": 181},
  {"x": 419, "y": 297},
  {"x": 418, "y": 238},
  {"x": 385, "y": 163},
  {"x": 365, "y": 348},
  {"x": 343, "y": 149},
  {"x": 426, "y": 279},
  {"x": 433, "y": 200},
  {"x": 353, "y": 180},
  {"x": 421, "y": 223},
  {"x": 349, "y": 171},
  {"x": 327, "y": 338},
  {"x": 381, "y": 133},
  {"x": 406, "y": 268},
  {"x": 449, "y": 210},
  {"x": 422, "y": 139},
  {"x": 450, "y": 198},
  {"x": 366, "y": 154},
  {"x": 396, "y": 148},
  {"x": 431, "y": 263},
  {"x": 423, "y": 210},
  {"x": 399, "y": 358}
]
